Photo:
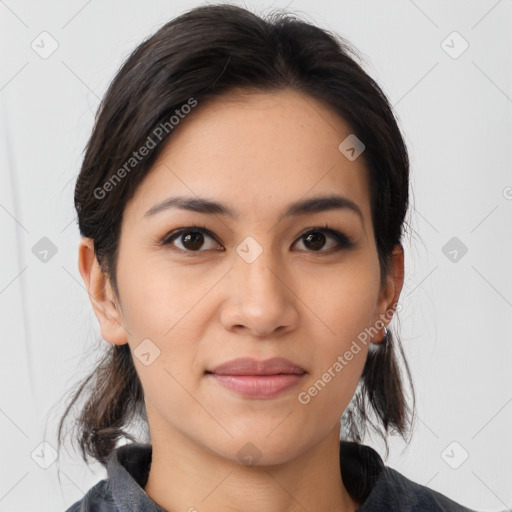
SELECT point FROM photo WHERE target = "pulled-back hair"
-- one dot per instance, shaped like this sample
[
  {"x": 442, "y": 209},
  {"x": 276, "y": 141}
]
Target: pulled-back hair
[{"x": 202, "y": 55}]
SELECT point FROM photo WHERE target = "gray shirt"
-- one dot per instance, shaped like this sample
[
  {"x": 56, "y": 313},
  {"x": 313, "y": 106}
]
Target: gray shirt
[{"x": 368, "y": 480}]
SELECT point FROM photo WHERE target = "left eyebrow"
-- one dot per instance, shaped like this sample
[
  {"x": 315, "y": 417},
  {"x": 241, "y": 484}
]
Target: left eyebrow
[{"x": 301, "y": 207}]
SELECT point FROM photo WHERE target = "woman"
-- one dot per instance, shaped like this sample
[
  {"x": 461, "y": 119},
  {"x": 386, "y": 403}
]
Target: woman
[{"x": 241, "y": 205}]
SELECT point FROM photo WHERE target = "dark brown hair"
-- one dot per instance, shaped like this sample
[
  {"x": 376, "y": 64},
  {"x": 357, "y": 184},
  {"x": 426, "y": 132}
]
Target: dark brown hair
[{"x": 203, "y": 54}]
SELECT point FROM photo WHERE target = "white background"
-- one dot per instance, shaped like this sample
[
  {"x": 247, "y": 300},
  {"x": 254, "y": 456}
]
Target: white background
[{"x": 456, "y": 114}]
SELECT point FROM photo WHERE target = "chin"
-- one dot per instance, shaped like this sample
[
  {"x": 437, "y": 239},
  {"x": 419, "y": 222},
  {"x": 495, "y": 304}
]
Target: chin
[{"x": 261, "y": 449}]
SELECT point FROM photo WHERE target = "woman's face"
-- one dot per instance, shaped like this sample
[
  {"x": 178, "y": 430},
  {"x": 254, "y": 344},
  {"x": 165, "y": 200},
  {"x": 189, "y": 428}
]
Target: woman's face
[{"x": 253, "y": 285}]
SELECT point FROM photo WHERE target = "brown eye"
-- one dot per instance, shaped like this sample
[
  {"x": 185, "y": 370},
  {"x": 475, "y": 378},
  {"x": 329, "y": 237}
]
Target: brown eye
[
  {"x": 315, "y": 239},
  {"x": 192, "y": 239}
]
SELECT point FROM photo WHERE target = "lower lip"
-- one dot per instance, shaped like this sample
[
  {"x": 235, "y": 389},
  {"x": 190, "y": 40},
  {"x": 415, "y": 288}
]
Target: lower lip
[{"x": 258, "y": 386}]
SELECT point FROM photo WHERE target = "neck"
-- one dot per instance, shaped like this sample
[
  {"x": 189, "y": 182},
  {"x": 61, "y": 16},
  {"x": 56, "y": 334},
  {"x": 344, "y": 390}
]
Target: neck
[{"x": 186, "y": 476}]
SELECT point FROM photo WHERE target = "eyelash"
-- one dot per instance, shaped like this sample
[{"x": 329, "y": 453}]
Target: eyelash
[{"x": 343, "y": 241}]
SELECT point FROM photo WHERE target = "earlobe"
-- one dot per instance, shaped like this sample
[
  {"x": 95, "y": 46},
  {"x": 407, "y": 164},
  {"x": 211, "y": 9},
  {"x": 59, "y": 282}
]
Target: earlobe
[{"x": 101, "y": 295}]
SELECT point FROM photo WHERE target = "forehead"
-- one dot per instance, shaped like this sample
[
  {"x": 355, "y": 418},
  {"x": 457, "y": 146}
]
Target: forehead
[{"x": 256, "y": 152}]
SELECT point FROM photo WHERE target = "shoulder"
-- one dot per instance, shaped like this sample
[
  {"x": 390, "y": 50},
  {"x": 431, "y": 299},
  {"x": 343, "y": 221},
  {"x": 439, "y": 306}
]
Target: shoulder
[
  {"x": 97, "y": 499},
  {"x": 394, "y": 491}
]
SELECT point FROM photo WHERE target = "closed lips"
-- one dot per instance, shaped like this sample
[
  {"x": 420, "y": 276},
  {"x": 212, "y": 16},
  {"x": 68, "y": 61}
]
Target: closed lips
[{"x": 253, "y": 367}]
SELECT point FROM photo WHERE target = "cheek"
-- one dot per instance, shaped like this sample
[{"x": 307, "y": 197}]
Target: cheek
[
  {"x": 161, "y": 320},
  {"x": 337, "y": 357},
  {"x": 344, "y": 300},
  {"x": 158, "y": 297},
  {"x": 343, "y": 307}
]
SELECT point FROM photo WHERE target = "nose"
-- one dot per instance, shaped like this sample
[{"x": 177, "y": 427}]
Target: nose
[{"x": 261, "y": 302}]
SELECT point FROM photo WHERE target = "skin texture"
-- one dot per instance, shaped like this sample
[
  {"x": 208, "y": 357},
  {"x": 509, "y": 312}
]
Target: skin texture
[{"x": 256, "y": 153}]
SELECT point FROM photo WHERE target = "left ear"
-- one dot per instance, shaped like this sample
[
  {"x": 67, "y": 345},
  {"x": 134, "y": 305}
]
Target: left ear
[{"x": 390, "y": 293}]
